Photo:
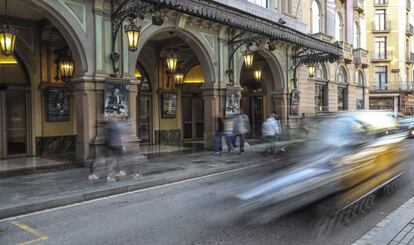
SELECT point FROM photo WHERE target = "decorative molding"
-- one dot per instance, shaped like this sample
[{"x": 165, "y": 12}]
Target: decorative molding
[
  {"x": 78, "y": 10},
  {"x": 210, "y": 40}
]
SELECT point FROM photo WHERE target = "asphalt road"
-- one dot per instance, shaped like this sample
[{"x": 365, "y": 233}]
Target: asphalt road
[{"x": 192, "y": 212}]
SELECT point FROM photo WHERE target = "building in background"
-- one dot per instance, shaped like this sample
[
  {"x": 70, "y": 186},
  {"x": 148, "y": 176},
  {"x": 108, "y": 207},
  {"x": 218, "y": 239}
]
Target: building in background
[
  {"x": 390, "y": 42},
  {"x": 341, "y": 85}
]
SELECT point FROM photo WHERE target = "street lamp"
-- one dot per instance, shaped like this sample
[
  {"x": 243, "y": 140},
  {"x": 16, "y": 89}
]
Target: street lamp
[
  {"x": 179, "y": 77},
  {"x": 133, "y": 32},
  {"x": 312, "y": 70},
  {"x": 257, "y": 73},
  {"x": 248, "y": 56},
  {"x": 171, "y": 59},
  {"x": 7, "y": 37},
  {"x": 65, "y": 64}
]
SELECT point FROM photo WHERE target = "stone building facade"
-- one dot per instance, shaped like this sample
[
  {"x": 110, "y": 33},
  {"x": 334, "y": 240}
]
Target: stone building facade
[
  {"x": 341, "y": 85},
  {"x": 208, "y": 38},
  {"x": 390, "y": 41}
]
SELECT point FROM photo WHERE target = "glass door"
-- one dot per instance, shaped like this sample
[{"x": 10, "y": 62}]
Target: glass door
[
  {"x": 14, "y": 123},
  {"x": 187, "y": 110},
  {"x": 144, "y": 118}
]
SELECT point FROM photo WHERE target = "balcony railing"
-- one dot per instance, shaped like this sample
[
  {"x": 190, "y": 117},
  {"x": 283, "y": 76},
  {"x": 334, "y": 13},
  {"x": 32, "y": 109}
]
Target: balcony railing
[
  {"x": 385, "y": 27},
  {"x": 380, "y": 3},
  {"x": 408, "y": 5},
  {"x": 360, "y": 56},
  {"x": 324, "y": 37},
  {"x": 359, "y": 5},
  {"x": 347, "y": 51},
  {"x": 400, "y": 86},
  {"x": 410, "y": 30},
  {"x": 381, "y": 56}
]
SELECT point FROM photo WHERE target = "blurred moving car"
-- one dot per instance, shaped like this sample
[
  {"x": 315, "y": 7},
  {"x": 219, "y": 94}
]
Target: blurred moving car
[
  {"x": 346, "y": 157},
  {"x": 407, "y": 124}
]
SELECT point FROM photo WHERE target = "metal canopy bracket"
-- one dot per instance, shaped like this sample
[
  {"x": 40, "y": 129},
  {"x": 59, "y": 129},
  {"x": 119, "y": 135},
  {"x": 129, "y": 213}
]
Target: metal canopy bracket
[
  {"x": 238, "y": 39},
  {"x": 121, "y": 10},
  {"x": 308, "y": 56}
]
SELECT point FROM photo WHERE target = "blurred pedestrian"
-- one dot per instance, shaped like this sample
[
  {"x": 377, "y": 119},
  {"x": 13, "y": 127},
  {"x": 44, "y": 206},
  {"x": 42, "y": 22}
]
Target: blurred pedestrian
[
  {"x": 302, "y": 124},
  {"x": 270, "y": 131},
  {"x": 115, "y": 149},
  {"x": 241, "y": 128},
  {"x": 228, "y": 132},
  {"x": 218, "y": 147}
]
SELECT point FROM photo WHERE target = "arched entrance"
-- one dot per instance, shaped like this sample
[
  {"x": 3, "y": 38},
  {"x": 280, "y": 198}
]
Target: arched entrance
[
  {"x": 144, "y": 108},
  {"x": 178, "y": 112},
  {"x": 43, "y": 121},
  {"x": 258, "y": 94},
  {"x": 192, "y": 104},
  {"x": 14, "y": 108},
  {"x": 252, "y": 103}
]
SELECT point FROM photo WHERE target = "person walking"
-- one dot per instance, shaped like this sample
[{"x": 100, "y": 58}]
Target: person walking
[
  {"x": 116, "y": 149},
  {"x": 228, "y": 132},
  {"x": 241, "y": 128},
  {"x": 218, "y": 147},
  {"x": 270, "y": 131}
]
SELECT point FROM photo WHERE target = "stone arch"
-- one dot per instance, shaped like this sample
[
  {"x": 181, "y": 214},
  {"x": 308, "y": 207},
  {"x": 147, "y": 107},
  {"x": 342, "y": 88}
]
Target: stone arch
[
  {"x": 360, "y": 71},
  {"x": 273, "y": 62},
  {"x": 199, "y": 46},
  {"x": 345, "y": 69},
  {"x": 68, "y": 27}
]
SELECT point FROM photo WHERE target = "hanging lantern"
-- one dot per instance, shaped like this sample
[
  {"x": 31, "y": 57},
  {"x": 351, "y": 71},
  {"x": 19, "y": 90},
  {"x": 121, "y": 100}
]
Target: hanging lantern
[
  {"x": 257, "y": 73},
  {"x": 65, "y": 64},
  {"x": 132, "y": 31},
  {"x": 248, "y": 56},
  {"x": 66, "y": 68},
  {"x": 7, "y": 40},
  {"x": 171, "y": 59},
  {"x": 179, "y": 77},
  {"x": 312, "y": 70}
]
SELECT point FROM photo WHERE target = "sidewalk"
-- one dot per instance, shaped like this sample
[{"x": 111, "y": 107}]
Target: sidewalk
[
  {"x": 29, "y": 193},
  {"x": 396, "y": 228}
]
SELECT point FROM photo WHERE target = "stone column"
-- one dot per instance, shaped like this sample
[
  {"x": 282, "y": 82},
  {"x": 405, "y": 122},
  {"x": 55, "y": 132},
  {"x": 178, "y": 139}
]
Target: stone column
[
  {"x": 85, "y": 107},
  {"x": 214, "y": 100},
  {"x": 280, "y": 104}
]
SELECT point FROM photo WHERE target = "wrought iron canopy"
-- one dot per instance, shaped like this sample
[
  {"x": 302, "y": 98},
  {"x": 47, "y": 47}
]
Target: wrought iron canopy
[{"x": 225, "y": 15}]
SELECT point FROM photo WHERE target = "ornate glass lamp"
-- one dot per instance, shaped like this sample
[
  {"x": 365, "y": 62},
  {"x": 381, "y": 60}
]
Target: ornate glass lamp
[
  {"x": 133, "y": 32},
  {"x": 171, "y": 59},
  {"x": 257, "y": 73},
  {"x": 248, "y": 57},
  {"x": 179, "y": 77},
  {"x": 312, "y": 70}
]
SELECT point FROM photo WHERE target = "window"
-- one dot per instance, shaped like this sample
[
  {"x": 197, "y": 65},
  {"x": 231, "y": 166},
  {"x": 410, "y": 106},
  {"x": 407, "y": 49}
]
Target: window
[
  {"x": 316, "y": 17},
  {"x": 360, "y": 78},
  {"x": 381, "y": 77},
  {"x": 357, "y": 35},
  {"x": 263, "y": 3},
  {"x": 342, "y": 98},
  {"x": 320, "y": 72},
  {"x": 380, "y": 1},
  {"x": 341, "y": 75},
  {"x": 339, "y": 27},
  {"x": 380, "y": 48},
  {"x": 321, "y": 97},
  {"x": 380, "y": 18}
]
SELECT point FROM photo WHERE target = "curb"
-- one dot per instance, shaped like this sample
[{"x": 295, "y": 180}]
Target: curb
[
  {"x": 387, "y": 230},
  {"x": 91, "y": 195}
]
